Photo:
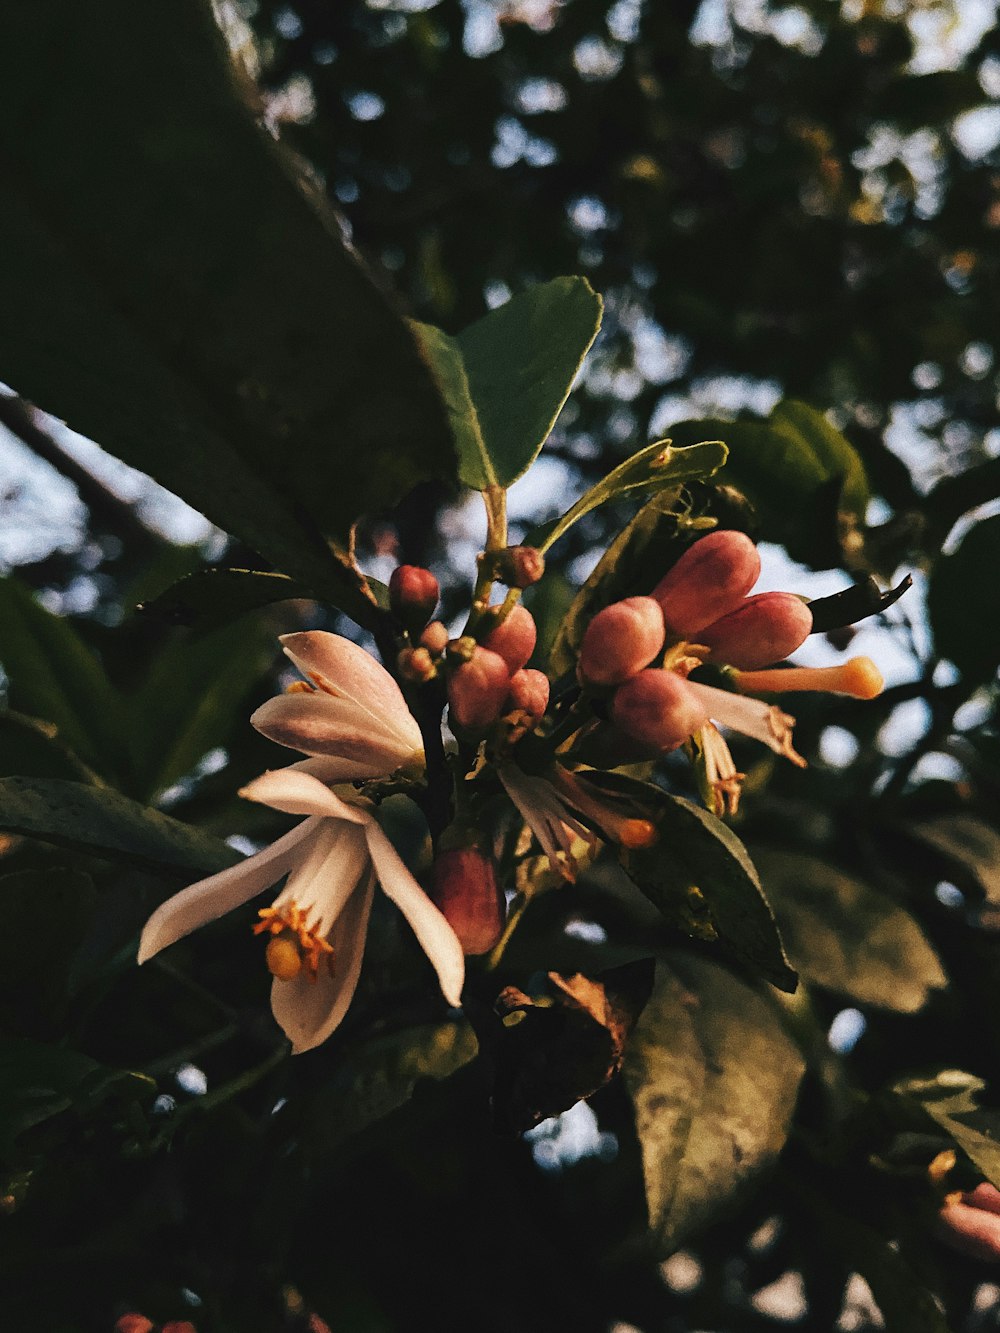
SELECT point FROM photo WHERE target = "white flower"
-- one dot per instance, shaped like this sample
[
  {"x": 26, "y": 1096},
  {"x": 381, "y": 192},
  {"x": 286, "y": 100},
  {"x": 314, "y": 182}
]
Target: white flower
[
  {"x": 352, "y": 717},
  {"x": 546, "y": 812},
  {"x": 318, "y": 922}
]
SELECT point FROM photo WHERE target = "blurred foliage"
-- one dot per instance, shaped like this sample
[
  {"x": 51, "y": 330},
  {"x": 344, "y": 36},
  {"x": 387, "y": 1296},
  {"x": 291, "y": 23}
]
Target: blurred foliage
[{"x": 793, "y": 227}]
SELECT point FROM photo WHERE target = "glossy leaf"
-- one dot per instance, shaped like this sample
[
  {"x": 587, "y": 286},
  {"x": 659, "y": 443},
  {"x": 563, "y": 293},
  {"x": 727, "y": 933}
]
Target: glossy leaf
[
  {"x": 658, "y": 467},
  {"x": 961, "y": 599},
  {"x": 211, "y": 597},
  {"x": 32, "y": 748},
  {"x": 55, "y": 677},
  {"x": 107, "y": 824},
  {"x": 177, "y": 289},
  {"x": 701, "y": 878},
  {"x": 847, "y": 936},
  {"x": 713, "y": 1079},
  {"x": 505, "y": 378}
]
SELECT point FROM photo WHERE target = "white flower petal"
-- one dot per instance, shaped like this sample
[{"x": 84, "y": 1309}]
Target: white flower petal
[
  {"x": 436, "y": 937},
  {"x": 753, "y": 717},
  {"x": 319, "y": 724},
  {"x": 348, "y": 672},
  {"x": 548, "y": 816},
  {"x": 330, "y": 769},
  {"x": 322, "y": 882},
  {"x": 309, "y": 1010},
  {"x": 213, "y": 897},
  {"x": 298, "y": 793}
]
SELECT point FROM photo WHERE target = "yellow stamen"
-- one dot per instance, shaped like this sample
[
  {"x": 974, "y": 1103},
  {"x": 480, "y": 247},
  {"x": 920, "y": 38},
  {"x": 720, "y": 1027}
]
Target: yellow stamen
[
  {"x": 860, "y": 678},
  {"x": 290, "y": 929},
  {"x": 941, "y": 1165},
  {"x": 299, "y": 687}
]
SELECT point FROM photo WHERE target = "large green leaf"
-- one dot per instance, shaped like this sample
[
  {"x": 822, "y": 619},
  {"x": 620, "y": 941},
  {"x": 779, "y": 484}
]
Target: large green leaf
[
  {"x": 32, "y": 748},
  {"x": 965, "y": 845},
  {"x": 210, "y": 597},
  {"x": 701, "y": 878},
  {"x": 713, "y": 1078},
  {"x": 846, "y": 936},
  {"x": 961, "y": 601},
  {"x": 38, "y": 1082},
  {"x": 950, "y": 1098},
  {"x": 658, "y": 467},
  {"x": 506, "y": 377},
  {"x": 103, "y": 822},
  {"x": 799, "y": 472},
  {"x": 176, "y": 288},
  {"x": 53, "y": 676}
]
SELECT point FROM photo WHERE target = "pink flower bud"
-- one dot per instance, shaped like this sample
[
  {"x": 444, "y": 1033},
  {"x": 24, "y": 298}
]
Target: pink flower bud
[
  {"x": 520, "y": 566},
  {"x": 133, "y": 1323},
  {"x": 514, "y": 639},
  {"x": 658, "y": 709},
  {"x": 464, "y": 886},
  {"x": 710, "y": 579},
  {"x": 179, "y": 1326},
  {"x": 620, "y": 641},
  {"x": 764, "y": 629},
  {"x": 477, "y": 690},
  {"x": 972, "y": 1225},
  {"x": 413, "y": 596},
  {"x": 529, "y": 690},
  {"x": 434, "y": 638}
]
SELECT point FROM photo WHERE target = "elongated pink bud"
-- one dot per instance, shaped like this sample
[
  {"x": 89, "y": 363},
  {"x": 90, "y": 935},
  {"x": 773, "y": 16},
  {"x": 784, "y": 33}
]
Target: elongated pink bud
[
  {"x": 710, "y": 579},
  {"x": 970, "y": 1223},
  {"x": 764, "y": 629},
  {"x": 620, "y": 641},
  {"x": 133, "y": 1323},
  {"x": 413, "y": 596},
  {"x": 658, "y": 709},
  {"x": 529, "y": 690},
  {"x": 515, "y": 639},
  {"x": 477, "y": 690},
  {"x": 464, "y": 886}
]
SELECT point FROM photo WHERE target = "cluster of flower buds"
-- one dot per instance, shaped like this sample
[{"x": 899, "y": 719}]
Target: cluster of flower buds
[
  {"x": 491, "y": 679},
  {"x": 138, "y": 1323}
]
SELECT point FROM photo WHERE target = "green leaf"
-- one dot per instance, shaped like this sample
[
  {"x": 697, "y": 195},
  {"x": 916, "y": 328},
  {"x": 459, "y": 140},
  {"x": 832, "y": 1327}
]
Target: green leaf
[
  {"x": 374, "y": 1079},
  {"x": 31, "y": 748},
  {"x": 961, "y": 600},
  {"x": 846, "y": 936},
  {"x": 505, "y": 378},
  {"x": 633, "y": 563},
  {"x": 209, "y": 597},
  {"x": 193, "y": 696},
  {"x": 799, "y": 472},
  {"x": 969, "y": 848},
  {"x": 55, "y": 677},
  {"x": 178, "y": 289},
  {"x": 701, "y": 878},
  {"x": 950, "y": 1098},
  {"x": 713, "y": 1078},
  {"x": 658, "y": 467},
  {"x": 38, "y": 1082},
  {"x": 107, "y": 824}
]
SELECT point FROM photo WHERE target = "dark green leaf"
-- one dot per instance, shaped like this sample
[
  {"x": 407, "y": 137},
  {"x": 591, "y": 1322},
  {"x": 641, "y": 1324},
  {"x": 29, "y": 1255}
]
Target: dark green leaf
[
  {"x": 32, "y": 749},
  {"x": 950, "y": 1098},
  {"x": 713, "y": 1078},
  {"x": 103, "y": 822},
  {"x": 961, "y": 600},
  {"x": 212, "y": 596},
  {"x": 846, "y": 936},
  {"x": 701, "y": 878},
  {"x": 506, "y": 377},
  {"x": 380, "y": 1076},
  {"x": 54, "y": 676},
  {"x": 658, "y": 467},
  {"x": 176, "y": 288},
  {"x": 969, "y": 848},
  {"x": 39, "y": 1081},
  {"x": 853, "y": 604}
]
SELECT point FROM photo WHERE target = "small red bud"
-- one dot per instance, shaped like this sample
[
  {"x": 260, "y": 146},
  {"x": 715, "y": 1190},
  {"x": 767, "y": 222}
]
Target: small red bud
[
  {"x": 514, "y": 639},
  {"x": 464, "y": 886},
  {"x": 762, "y": 630},
  {"x": 529, "y": 691},
  {"x": 477, "y": 690},
  {"x": 133, "y": 1323},
  {"x": 434, "y": 638},
  {"x": 710, "y": 579},
  {"x": 658, "y": 709},
  {"x": 520, "y": 566},
  {"x": 413, "y": 596},
  {"x": 415, "y": 664},
  {"x": 620, "y": 641},
  {"x": 179, "y": 1326}
]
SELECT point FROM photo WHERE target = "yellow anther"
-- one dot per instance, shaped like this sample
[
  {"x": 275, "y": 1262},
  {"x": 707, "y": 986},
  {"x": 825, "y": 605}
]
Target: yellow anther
[
  {"x": 299, "y": 687},
  {"x": 941, "y": 1165},
  {"x": 638, "y": 833},
  {"x": 860, "y": 678},
  {"x": 283, "y": 958},
  {"x": 290, "y": 927}
]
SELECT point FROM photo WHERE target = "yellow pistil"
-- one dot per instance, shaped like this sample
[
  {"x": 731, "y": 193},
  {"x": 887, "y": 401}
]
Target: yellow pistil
[
  {"x": 637, "y": 833},
  {"x": 860, "y": 678},
  {"x": 942, "y": 1164},
  {"x": 294, "y": 942}
]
